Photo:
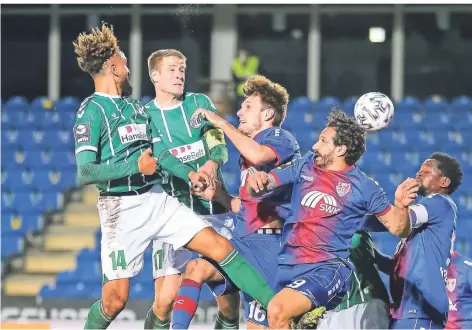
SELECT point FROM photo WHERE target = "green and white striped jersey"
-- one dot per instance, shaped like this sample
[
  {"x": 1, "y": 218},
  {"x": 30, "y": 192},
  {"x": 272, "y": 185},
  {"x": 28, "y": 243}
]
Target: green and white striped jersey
[
  {"x": 118, "y": 130},
  {"x": 366, "y": 282},
  {"x": 185, "y": 140}
]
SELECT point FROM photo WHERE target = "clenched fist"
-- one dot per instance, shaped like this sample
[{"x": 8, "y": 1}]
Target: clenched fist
[{"x": 146, "y": 163}]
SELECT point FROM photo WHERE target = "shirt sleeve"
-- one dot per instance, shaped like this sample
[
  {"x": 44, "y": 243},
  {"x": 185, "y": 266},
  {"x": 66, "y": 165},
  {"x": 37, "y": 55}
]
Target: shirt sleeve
[
  {"x": 376, "y": 199},
  {"x": 87, "y": 128},
  {"x": 282, "y": 143},
  {"x": 288, "y": 172},
  {"x": 431, "y": 209}
]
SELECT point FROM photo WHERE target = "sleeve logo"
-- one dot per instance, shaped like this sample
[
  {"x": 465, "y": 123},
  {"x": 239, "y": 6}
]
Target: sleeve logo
[{"x": 82, "y": 133}]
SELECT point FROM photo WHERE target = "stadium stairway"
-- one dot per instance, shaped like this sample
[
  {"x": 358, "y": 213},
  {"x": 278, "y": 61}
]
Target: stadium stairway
[{"x": 72, "y": 230}]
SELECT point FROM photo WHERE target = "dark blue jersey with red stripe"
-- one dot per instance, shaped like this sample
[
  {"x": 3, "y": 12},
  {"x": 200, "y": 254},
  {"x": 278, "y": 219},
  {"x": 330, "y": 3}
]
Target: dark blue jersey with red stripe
[
  {"x": 255, "y": 213},
  {"x": 326, "y": 210},
  {"x": 418, "y": 281}
]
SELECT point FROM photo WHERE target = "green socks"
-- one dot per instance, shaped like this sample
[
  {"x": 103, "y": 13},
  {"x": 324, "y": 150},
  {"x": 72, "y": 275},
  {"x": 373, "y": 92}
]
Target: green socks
[
  {"x": 247, "y": 278},
  {"x": 153, "y": 322},
  {"x": 223, "y": 323},
  {"x": 96, "y": 318}
]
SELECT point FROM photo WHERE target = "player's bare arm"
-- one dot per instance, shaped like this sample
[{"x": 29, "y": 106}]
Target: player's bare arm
[
  {"x": 255, "y": 153},
  {"x": 397, "y": 220},
  {"x": 260, "y": 183}
]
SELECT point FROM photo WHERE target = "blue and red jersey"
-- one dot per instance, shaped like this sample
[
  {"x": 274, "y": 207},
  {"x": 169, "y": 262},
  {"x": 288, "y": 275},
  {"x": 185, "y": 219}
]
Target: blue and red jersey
[
  {"x": 256, "y": 213},
  {"x": 327, "y": 208},
  {"x": 459, "y": 292}
]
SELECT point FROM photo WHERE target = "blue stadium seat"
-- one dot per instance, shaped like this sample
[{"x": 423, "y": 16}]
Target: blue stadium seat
[
  {"x": 407, "y": 120},
  {"x": 23, "y": 120},
  {"x": 49, "y": 120},
  {"x": 301, "y": 104},
  {"x": 16, "y": 224},
  {"x": 66, "y": 120},
  {"x": 16, "y": 104},
  {"x": 58, "y": 139},
  {"x": 11, "y": 245},
  {"x": 326, "y": 104},
  {"x": 41, "y": 104},
  {"x": 67, "y": 104},
  {"x": 29, "y": 202},
  {"x": 461, "y": 120},
  {"x": 63, "y": 160},
  {"x": 438, "y": 120},
  {"x": 407, "y": 105},
  {"x": 233, "y": 120},
  {"x": 348, "y": 105},
  {"x": 435, "y": 103},
  {"x": 461, "y": 104}
]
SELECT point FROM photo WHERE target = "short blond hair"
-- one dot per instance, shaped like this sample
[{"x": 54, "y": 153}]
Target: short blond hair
[
  {"x": 155, "y": 58},
  {"x": 272, "y": 94},
  {"x": 93, "y": 49}
]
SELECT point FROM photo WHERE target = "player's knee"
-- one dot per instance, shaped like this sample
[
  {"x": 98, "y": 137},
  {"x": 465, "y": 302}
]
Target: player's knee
[
  {"x": 276, "y": 315},
  {"x": 114, "y": 302},
  {"x": 198, "y": 270},
  {"x": 221, "y": 248}
]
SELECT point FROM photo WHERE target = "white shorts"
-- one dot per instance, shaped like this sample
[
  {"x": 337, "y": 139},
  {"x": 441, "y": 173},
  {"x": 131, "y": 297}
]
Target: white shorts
[
  {"x": 373, "y": 314},
  {"x": 130, "y": 223},
  {"x": 173, "y": 261}
]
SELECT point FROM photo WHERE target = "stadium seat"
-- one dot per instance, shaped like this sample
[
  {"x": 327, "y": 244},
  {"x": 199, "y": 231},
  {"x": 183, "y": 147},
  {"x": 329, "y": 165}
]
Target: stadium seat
[
  {"x": 326, "y": 104},
  {"x": 461, "y": 104},
  {"x": 435, "y": 103},
  {"x": 41, "y": 104},
  {"x": 17, "y": 224},
  {"x": 16, "y": 104},
  {"x": 301, "y": 104},
  {"x": 407, "y": 105},
  {"x": 67, "y": 104},
  {"x": 348, "y": 105},
  {"x": 11, "y": 245}
]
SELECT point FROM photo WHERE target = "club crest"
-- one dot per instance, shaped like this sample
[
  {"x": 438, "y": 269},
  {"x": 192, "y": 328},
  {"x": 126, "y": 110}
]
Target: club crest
[
  {"x": 451, "y": 284},
  {"x": 196, "y": 122},
  {"x": 342, "y": 189}
]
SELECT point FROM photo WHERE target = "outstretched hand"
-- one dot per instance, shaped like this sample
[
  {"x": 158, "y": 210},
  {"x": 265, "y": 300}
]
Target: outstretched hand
[{"x": 406, "y": 192}]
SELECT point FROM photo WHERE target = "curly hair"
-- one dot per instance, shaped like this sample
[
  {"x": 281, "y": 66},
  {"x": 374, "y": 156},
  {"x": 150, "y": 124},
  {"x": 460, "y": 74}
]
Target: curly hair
[
  {"x": 95, "y": 48},
  {"x": 348, "y": 133},
  {"x": 272, "y": 94},
  {"x": 450, "y": 168}
]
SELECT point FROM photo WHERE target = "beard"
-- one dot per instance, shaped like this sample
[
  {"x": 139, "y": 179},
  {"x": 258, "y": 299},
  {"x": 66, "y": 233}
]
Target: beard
[
  {"x": 422, "y": 190},
  {"x": 126, "y": 88},
  {"x": 324, "y": 161}
]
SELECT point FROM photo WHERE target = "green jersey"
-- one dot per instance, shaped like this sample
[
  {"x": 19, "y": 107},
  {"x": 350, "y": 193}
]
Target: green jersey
[
  {"x": 117, "y": 130},
  {"x": 366, "y": 282},
  {"x": 189, "y": 141}
]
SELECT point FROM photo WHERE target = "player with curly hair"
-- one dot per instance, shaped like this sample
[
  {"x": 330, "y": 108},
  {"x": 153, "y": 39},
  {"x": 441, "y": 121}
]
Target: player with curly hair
[
  {"x": 330, "y": 197},
  {"x": 113, "y": 145}
]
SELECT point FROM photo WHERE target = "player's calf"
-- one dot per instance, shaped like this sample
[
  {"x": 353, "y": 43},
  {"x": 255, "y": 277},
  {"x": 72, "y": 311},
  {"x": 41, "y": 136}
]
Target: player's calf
[{"x": 114, "y": 298}]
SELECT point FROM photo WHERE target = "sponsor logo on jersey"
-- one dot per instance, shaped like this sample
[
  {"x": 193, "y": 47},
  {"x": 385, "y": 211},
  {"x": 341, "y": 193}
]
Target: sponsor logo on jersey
[
  {"x": 451, "y": 284},
  {"x": 321, "y": 201},
  {"x": 286, "y": 165},
  {"x": 132, "y": 133},
  {"x": 189, "y": 152},
  {"x": 452, "y": 307},
  {"x": 342, "y": 189},
  {"x": 82, "y": 133}
]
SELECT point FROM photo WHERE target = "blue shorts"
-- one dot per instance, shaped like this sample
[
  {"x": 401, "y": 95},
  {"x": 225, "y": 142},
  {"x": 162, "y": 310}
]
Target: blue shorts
[
  {"x": 415, "y": 324},
  {"x": 324, "y": 283},
  {"x": 261, "y": 251}
]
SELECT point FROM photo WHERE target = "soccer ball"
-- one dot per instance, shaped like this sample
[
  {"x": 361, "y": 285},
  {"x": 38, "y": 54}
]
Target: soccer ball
[{"x": 374, "y": 111}]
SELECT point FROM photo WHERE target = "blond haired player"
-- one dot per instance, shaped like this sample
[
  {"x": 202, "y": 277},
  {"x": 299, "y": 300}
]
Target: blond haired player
[
  {"x": 112, "y": 147},
  {"x": 201, "y": 146}
]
